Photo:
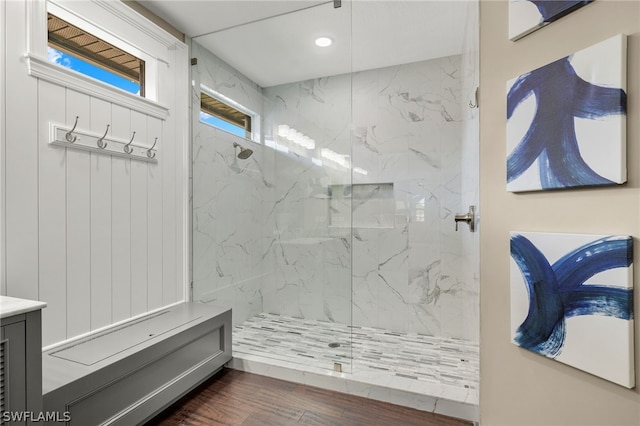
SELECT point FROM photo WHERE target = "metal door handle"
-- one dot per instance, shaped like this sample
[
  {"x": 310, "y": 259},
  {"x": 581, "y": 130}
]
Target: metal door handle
[{"x": 469, "y": 218}]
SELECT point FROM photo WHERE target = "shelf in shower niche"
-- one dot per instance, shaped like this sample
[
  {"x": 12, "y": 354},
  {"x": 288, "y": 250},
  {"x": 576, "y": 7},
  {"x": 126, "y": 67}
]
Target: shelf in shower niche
[
  {"x": 307, "y": 241},
  {"x": 362, "y": 205}
]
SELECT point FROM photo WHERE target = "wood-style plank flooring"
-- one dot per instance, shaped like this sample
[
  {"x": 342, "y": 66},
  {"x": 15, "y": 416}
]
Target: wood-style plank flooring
[{"x": 235, "y": 397}]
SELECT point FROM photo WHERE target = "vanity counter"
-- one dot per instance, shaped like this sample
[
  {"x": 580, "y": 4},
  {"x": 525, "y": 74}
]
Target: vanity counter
[{"x": 10, "y": 306}]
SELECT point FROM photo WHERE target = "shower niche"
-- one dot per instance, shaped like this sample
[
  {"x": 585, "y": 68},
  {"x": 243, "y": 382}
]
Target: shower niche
[{"x": 363, "y": 205}]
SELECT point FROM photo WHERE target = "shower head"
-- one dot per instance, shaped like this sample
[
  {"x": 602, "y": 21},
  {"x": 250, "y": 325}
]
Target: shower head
[{"x": 244, "y": 152}]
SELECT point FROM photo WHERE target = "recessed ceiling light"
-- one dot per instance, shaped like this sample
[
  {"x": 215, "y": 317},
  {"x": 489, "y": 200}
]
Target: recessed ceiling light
[{"x": 323, "y": 41}]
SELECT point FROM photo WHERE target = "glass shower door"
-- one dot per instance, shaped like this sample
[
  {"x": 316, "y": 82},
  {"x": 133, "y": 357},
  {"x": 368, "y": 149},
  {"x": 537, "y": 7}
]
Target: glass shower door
[
  {"x": 272, "y": 233},
  {"x": 307, "y": 137}
]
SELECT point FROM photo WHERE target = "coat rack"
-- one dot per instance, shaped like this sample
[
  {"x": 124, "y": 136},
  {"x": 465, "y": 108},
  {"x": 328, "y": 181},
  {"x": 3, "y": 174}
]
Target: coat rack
[{"x": 70, "y": 137}]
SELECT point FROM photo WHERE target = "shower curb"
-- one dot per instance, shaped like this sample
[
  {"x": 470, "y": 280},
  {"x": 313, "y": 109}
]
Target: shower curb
[{"x": 449, "y": 401}]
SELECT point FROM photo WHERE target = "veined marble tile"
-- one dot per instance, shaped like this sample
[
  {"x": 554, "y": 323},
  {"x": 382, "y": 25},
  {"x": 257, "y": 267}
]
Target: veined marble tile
[
  {"x": 406, "y": 133},
  {"x": 227, "y": 200}
]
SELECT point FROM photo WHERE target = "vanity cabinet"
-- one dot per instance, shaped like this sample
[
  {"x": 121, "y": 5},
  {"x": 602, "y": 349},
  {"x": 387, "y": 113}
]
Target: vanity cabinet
[{"x": 20, "y": 360}]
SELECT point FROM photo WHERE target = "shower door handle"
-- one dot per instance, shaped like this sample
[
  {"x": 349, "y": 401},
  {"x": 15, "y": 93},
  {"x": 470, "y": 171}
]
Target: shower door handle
[{"x": 469, "y": 218}]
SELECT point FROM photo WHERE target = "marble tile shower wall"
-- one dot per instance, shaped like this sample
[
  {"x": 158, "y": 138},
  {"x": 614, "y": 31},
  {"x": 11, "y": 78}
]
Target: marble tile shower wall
[
  {"x": 273, "y": 233},
  {"x": 402, "y": 256},
  {"x": 408, "y": 278},
  {"x": 227, "y": 198},
  {"x": 216, "y": 74},
  {"x": 309, "y": 239}
]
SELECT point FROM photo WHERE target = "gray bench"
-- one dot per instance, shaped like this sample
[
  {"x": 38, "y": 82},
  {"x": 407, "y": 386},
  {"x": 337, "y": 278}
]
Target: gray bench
[{"x": 128, "y": 374}]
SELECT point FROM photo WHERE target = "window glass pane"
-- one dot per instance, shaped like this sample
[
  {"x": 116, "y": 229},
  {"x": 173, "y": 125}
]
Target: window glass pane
[
  {"x": 219, "y": 114},
  {"x": 81, "y": 51},
  {"x": 222, "y": 124},
  {"x": 98, "y": 73}
]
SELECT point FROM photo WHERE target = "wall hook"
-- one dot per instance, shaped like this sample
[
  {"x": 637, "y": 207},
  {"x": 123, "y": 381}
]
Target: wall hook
[
  {"x": 70, "y": 137},
  {"x": 127, "y": 148},
  {"x": 474, "y": 102},
  {"x": 152, "y": 154},
  {"x": 101, "y": 143}
]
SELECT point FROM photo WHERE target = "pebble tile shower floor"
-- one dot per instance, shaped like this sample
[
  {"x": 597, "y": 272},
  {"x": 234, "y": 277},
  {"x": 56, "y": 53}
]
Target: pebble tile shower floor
[{"x": 411, "y": 356}]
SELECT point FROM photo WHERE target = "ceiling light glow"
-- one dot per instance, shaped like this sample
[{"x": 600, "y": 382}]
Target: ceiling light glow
[{"x": 324, "y": 41}]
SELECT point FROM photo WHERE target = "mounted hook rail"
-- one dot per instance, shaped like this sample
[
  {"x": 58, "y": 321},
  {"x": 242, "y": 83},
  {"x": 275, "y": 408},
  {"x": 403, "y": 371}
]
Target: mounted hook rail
[{"x": 62, "y": 136}]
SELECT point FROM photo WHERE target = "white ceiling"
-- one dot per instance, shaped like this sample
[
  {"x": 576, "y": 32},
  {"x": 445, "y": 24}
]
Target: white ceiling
[{"x": 271, "y": 42}]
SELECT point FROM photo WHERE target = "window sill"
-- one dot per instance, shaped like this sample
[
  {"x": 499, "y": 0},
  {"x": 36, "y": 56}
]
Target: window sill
[{"x": 42, "y": 68}]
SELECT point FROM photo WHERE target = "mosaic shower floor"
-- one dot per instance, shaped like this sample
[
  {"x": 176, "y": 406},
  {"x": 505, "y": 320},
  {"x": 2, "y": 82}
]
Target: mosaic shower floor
[{"x": 409, "y": 361}]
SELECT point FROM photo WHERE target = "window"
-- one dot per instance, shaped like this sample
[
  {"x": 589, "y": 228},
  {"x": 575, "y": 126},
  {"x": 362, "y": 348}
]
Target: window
[
  {"x": 81, "y": 51},
  {"x": 223, "y": 116}
]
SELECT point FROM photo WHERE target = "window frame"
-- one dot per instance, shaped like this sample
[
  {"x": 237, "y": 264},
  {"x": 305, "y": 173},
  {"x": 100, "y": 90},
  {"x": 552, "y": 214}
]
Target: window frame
[
  {"x": 57, "y": 41},
  {"x": 254, "y": 134},
  {"x": 118, "y": 18}
]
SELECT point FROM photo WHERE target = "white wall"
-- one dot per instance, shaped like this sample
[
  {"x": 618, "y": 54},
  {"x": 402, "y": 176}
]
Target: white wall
[
  {"x": 100, "y": 239},
  {"x": 519, "y": 387}
]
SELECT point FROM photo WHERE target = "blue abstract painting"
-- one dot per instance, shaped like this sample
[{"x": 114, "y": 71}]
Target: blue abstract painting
[
  {"x": 526, "y": 16},
  {"x": 566, "y": 121},
  {"x": 572, "y": 301}
]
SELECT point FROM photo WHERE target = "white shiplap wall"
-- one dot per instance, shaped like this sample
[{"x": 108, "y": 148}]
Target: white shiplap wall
[{"x": 100, "y": 239}]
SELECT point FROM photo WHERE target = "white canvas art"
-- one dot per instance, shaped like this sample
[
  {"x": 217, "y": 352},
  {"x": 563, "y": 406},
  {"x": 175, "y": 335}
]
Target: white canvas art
[
  {"x": 526, "y": 16},
  {"x": 566, "y": 121},
  {"x": 572, "y": 301}
]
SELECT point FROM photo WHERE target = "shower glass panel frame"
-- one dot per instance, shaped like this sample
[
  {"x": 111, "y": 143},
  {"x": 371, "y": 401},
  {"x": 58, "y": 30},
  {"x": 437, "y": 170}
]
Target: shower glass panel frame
[{"x": 335, "y": 242}]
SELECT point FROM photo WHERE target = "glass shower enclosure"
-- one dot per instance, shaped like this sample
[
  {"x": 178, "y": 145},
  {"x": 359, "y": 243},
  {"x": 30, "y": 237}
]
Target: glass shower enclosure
[
  {"x": 272, "y": 233},
  {"x": 335, "y": 242}
]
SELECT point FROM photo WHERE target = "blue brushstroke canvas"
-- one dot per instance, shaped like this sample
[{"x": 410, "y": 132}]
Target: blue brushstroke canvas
[
  {"x": 572, "y": 300},
  {"x": 566, "y": 121},
  {"x": 526, "y": 16}
]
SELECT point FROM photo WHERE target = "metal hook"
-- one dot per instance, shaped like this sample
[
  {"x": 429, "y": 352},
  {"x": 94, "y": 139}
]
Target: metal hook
[
  {"x": 101, "y": 143},
  {"x": 152, "y": 154},
  {"x": 127, "y": 148},
  {"x": 474, "y": 103},
  {"x": 69, "y": 136}
]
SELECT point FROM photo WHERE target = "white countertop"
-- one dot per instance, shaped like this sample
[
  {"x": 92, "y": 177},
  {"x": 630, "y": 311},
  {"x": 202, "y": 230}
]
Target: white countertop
[{"x": 10, "y": 306}]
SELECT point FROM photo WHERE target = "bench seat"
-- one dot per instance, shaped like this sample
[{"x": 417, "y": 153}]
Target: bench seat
[{"x": 127, "y": 374}]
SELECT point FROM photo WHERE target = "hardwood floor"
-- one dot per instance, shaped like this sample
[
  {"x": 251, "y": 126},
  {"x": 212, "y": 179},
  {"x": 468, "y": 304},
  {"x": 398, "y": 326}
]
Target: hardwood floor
[{"x": 234, "y": 397}]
